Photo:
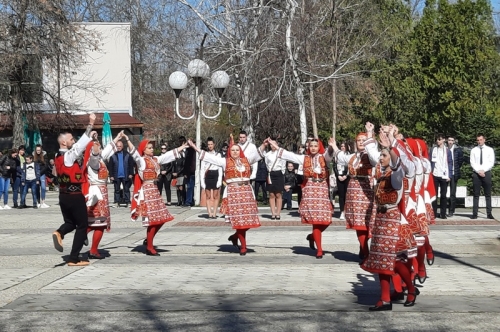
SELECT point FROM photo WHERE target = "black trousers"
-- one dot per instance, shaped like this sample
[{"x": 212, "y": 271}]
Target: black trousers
[
  {"x": 442, "y": 185},
  {"x": 74, "y": 213},
  {"x": 263, "y": 185},
  {"x": 341, "y": 192},
  {"x": 126, "y": 182},
  {"x": 477, "y": 183},
  {"x": 453, "y": 194},
  {"x": 163, "y": 182}
]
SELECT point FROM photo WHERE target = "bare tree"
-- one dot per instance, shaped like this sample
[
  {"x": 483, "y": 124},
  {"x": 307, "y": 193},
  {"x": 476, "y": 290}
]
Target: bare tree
[{"x": 36, "y": 36}]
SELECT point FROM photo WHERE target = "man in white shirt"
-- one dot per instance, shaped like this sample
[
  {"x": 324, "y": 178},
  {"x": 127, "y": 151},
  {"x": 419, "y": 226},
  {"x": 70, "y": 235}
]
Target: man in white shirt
[
  {"x": 248, "y": 147},
  {"x": 482, "y": 160}
]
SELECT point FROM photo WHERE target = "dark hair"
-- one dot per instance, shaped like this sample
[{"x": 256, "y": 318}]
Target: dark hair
[
  {"x": 480, "y": 134},
  {"x": 347, "y": 145},
  {"x": 21, "y": 147},
  {"x": 243, "y": 132},
  {"x": 440, "y": 136},
  {"x": 14, "y": 150},
  {"x": 28, "y": 156},
  {"x": 210, "y": 139},
  {"x": 182, "y": 138}
]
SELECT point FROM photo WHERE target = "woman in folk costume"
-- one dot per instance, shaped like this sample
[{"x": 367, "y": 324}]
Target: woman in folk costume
[
  {"x": 359, "y": 204},
  {"x": 275, "y": 180},
  {"x": 389, "y": 244},
  {"x": 96, "y": 191},
  {"x": 429, "y": 197},
  {"x": 315, "y": 208},
  {"x": 211, "y": 181},
  {"x": 147, "y": 202},
  {"x": 241, "y": 206}
]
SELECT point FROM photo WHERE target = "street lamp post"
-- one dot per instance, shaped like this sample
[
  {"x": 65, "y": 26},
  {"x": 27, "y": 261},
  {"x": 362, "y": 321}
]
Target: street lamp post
[{"x": 198, "y": 71}]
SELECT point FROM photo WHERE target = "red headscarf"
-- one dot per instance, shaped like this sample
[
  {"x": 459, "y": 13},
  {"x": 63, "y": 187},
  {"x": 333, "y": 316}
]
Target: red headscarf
[
  {"x": 137, "y": 180},
  {"x": 412, "y": 143},
  {"x": 321, "y": 148},
  {"x": 425, "y": 154}
]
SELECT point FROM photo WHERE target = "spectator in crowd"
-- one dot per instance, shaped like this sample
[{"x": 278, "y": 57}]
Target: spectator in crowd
[
  {"x": 30, "y": 179},
  {"x": 457, "y": 157},
  {"x": 290, "y": 183},
  {"x": 165, "y": 177},
  {"x": 7, "y": 172},
  {"x": 178, "y": 173},
  {"x": 482, "y": 160},
  {"x": 260, "y": 181},
  {"x": 442, "y": 165},
  {"x": 223, "y": 150},
  {"x": 17, "y": 187},
  {"x": 342, "y": 174},
  {"x": 39, "y": 158},
  {"x": 121, "y": 172},
  {"x": 275, "y": 180},
  {"x": 51, "y": 176}
]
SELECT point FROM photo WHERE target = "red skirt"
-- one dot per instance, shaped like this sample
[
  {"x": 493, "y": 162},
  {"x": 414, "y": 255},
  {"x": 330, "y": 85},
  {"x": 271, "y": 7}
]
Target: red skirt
[
  {"x": 151, "y": 208},
  {"x": 315, "y": 206},
  {"x": 383, "y": 247},
  {"x": 98, "y": 214},
  {"x": 360, "y": 207},
  {"x": 241, "y": 207}
]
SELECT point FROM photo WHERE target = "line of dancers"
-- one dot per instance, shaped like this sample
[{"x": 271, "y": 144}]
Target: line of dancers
[{"x": 388, "y": 198}]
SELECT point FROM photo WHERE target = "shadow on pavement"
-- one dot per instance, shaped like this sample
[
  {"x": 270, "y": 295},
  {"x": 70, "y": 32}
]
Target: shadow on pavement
[
  {"x": 306, "y": 251},
  {"x": 346, "y": 256},
  {"x": 458, "y": 260}
]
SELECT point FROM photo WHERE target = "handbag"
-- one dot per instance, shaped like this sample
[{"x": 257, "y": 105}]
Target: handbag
[{"x": 173, "y": 183}]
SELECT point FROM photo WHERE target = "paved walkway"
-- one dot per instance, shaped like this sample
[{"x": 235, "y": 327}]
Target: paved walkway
[{"x": 201, "y": 283}]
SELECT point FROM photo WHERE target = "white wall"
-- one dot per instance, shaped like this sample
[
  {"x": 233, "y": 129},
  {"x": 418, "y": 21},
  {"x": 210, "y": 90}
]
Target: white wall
[{"x": 103, "y": 83}]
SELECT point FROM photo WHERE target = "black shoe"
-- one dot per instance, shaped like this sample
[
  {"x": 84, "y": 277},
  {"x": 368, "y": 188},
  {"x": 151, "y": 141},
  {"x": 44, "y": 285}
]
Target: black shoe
[
  {"x": 490, "y": 216},
  {"x": 319, "y": 256},
  {"x": 381, "y": 307},
  {"x": 178, "y": 204},
  {"x": 443, "y": 217},
  {"x": 86, "y": 242},
  {"x": 273, "y": 218},
  {"x": 309, "y": 238},
  {"x": 396, "y": 296},
  {"x": 473, "y": 217},
  {"x": 278, "y": 217},
  {"x": 145, "y": 242},
  {"x": 449, "y": 215},
  {"x": 421, "y": 280},
  {"x": 16, "y": 206},
  {"x": 92, "y": 256},
  {"x": 412, "y": 303},
  {"x": 149, "y": 253},
  {"x": 234, "y": 240}
]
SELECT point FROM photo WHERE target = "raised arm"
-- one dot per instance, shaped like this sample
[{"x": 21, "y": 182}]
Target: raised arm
[
  {"x": 171, "y": 155},
  {"x": 207, "y": 157},
  {"x": 110, "y": 149},
  {"x": 79, "y": 147}
]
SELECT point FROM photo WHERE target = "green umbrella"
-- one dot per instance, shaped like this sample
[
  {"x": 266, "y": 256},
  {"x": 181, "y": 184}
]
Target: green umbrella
[{"x": 106, "y": 129}]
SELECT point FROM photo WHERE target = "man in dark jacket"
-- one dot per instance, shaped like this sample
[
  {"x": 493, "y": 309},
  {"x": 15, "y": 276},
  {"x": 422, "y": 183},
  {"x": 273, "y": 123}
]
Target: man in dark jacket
[
  {"x": 261, "y": 181},
  {"x": 189, "y": 173},
  {"x": 7, "y": 172},
  {"x": 121, "y": 172},
  {"x": 17, "y": 186},
  {"x": 165, "y": 177},
  {"x": 457, "y": 156}
]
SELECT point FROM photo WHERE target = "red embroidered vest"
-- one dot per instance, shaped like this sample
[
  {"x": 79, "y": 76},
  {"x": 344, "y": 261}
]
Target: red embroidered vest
[
  {"x": 232, "y": 172},
  {"x": 75, "y": 174},
  {"x": 364, "y": 168},
  {"x": 152, "y": 169},
  {"x": 102, "y": 173},
  {"x": 385, "y": 194},
  {"x": 308, "y": 168}
]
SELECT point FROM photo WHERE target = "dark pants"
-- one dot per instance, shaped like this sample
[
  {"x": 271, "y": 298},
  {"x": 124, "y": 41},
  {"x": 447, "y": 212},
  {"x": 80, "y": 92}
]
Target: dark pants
[
  {"x": 477, "y": 183},
  {"x": 74, "y": 213},
  {"x": 190, "y": 190},
  {"x": 442, "y": 184},
  {"x": 341, "y": 192},
  {"x": 287, "y": 198},
  {"x": 17, "y": 189},
  {"x": 260, "y": 184},
  {"x": 164, "y": 182},
  {"x": 453, "y": 194},
  {"x": 126, "y": 182},
  {"x": 30, "y": 184}
]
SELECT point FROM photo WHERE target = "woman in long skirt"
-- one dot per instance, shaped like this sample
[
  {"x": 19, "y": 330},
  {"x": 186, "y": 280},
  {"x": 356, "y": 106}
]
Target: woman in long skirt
[{"x": 147, "y": 203}]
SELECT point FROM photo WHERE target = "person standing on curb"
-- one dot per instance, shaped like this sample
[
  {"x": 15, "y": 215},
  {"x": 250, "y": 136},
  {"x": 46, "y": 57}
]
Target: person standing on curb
[
  {"x": 457, "y": 157},
  {"x": 72, "y": 174},
  {"x": 7, "y": 172},
  {"x": 442, "y": 166},
  {"x": 482, "y": 160},
  {"x": 121, "y": 172}
]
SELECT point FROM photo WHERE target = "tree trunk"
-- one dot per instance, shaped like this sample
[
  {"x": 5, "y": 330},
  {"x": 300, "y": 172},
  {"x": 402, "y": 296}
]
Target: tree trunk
[
  {"x": 334, "y": 107},
  {"x": 313, "y": 109},
  {"x": 16, "y": 115}
]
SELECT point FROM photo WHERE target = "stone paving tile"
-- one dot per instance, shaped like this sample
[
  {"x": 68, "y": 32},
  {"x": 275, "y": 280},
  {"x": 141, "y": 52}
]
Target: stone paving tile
[
  {"x": 165, "y": 301},
  {"x": 262, "y": 279},
  {"x": 12, "y": 277}
]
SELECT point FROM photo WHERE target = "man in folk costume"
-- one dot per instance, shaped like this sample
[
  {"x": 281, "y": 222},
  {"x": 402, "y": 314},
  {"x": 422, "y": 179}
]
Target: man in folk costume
[
  {"x": 147, "y": 202},
  {"x": 96, "y": 191},
  {"x": 390, "y": 242},
  {"x": 429, "y": 197},
  {"x": 359, "y": 206},
  {"x": 241, "y": 205},
  {"x": 72, "y": 174},
  {"x": 315, "y": 208}
]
